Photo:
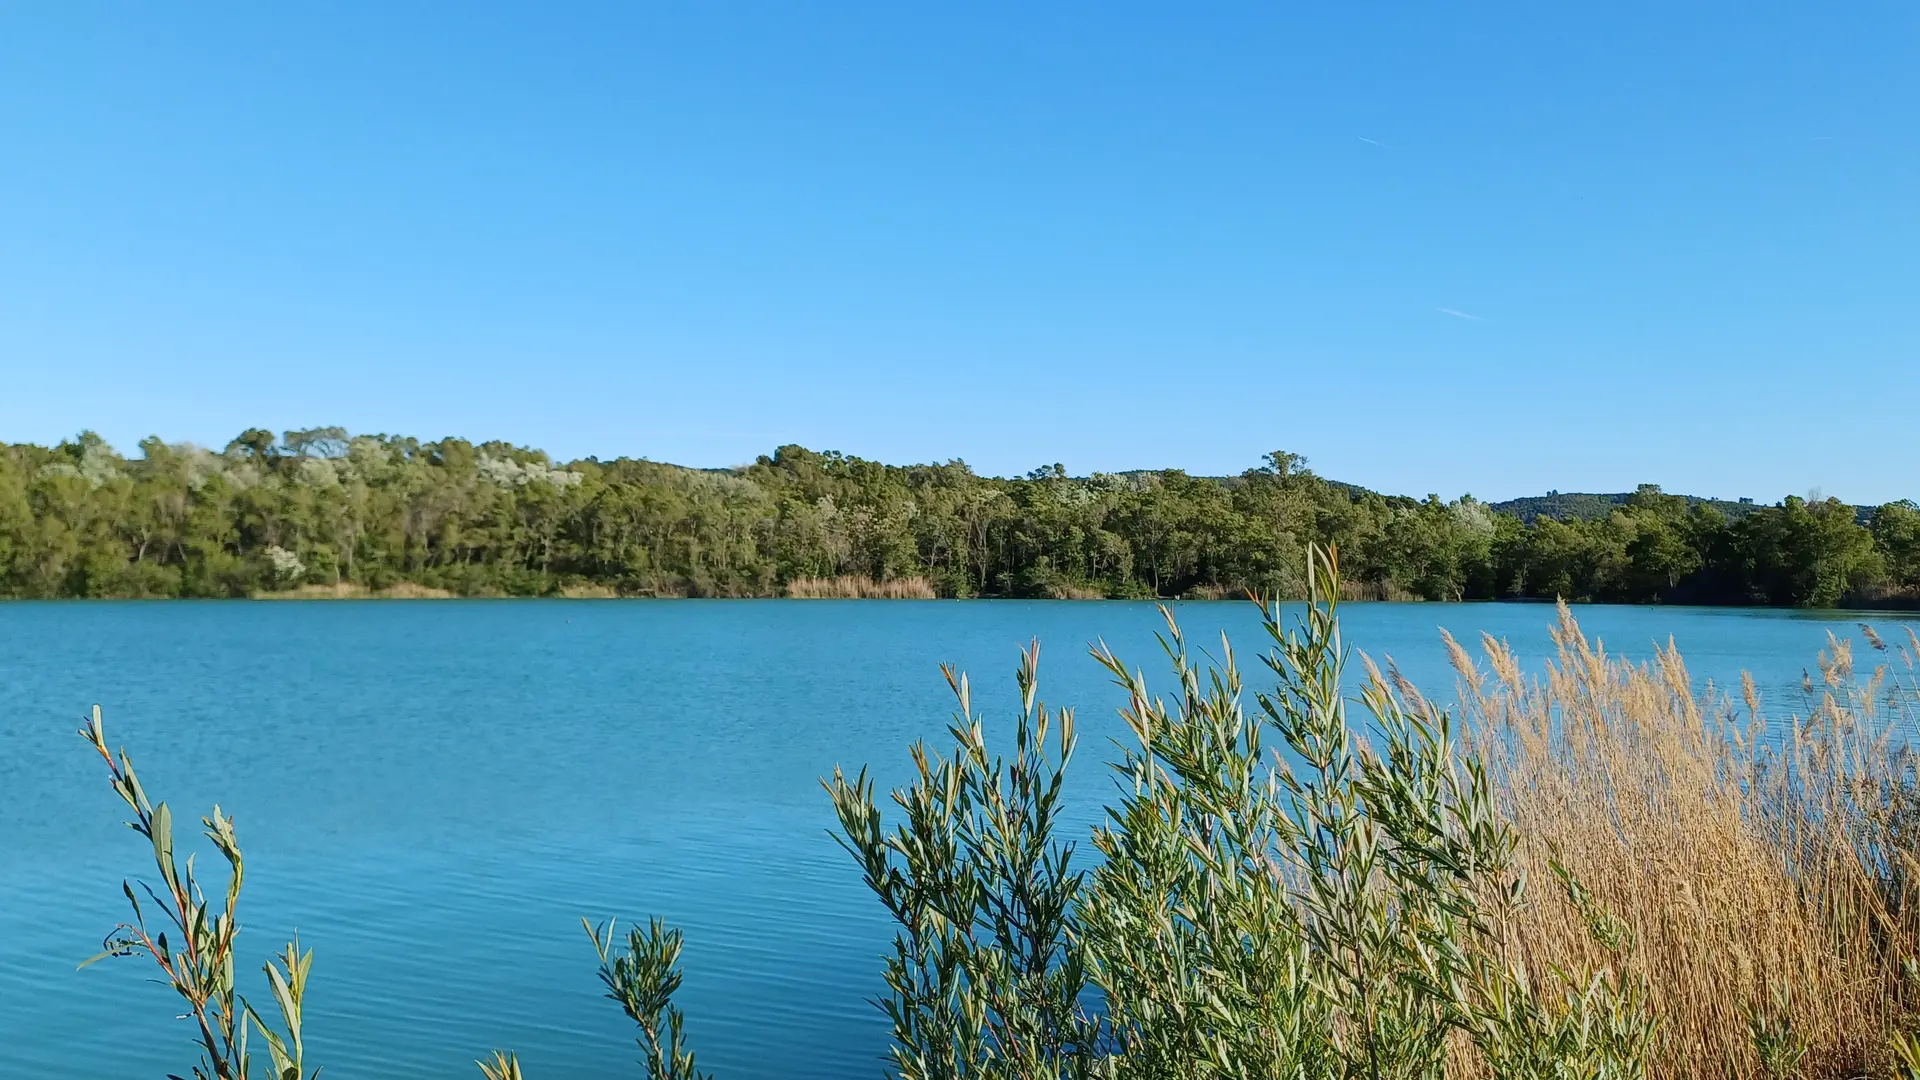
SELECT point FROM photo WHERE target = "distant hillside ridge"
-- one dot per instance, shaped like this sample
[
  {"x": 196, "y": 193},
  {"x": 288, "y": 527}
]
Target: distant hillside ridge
[{"x": 1586, "y": 506}]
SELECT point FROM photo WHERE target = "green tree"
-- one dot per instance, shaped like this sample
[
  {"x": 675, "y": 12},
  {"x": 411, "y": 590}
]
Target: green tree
[
  {"x": 1803, "y": 554},
  {"x": 1896, "y": 533}
]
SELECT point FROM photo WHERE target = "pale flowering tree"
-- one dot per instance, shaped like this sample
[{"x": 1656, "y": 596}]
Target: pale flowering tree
[
  {"x": 90, "y": 459},
  {"x": 1473, "y": 516},
  {"x": 317, "y": 472},
  {"x": 287, "y": 567},
  {"x": 508, "y": 473}
]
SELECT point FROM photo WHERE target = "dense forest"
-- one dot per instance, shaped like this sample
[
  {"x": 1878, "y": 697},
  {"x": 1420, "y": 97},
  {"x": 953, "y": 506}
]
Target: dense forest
[{"x": 318, "y": 512}]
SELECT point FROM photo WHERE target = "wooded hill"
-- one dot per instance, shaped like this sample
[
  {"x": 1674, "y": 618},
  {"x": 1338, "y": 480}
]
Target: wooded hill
[{"x": 319, "y": 510}]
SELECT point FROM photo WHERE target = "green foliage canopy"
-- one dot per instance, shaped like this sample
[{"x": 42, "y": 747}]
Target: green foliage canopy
[{"x": 322, "y": 508}]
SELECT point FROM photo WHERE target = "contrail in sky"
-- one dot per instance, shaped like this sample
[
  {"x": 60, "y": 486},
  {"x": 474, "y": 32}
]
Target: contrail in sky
[{"x": 1458, "y": 314}]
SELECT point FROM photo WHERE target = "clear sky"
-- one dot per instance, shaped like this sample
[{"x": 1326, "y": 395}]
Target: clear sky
[{"x": 1451, "y": 247}]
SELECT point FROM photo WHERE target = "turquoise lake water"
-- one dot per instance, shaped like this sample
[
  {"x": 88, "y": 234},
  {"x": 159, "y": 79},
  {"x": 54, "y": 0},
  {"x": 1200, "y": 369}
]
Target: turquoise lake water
[{"x": 434, "y": 794}]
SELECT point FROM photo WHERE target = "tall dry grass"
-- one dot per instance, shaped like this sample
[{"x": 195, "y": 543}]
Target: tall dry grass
[
  {"x": 346, "y": 590},
  {"x": 1888, "y": 594},
  {"x": 1763, "y": 863},
  {"x": 1350, "y": 590},
  {"x": 854, "y": 587},
  {"x": 1376, "y": 590}
]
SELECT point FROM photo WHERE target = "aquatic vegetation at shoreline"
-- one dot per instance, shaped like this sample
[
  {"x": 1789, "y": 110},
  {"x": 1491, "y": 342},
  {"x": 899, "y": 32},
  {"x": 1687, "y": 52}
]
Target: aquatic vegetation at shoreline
[
  {"x": 1763, "y": 863},
  {"x": 1595, "y": 869},
  {"x": 401, "y": 590},
  {"x": 853, "y": 587}
]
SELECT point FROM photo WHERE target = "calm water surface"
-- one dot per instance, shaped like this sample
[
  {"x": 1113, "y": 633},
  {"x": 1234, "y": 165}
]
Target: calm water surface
[{"x": 433, "y": 794}]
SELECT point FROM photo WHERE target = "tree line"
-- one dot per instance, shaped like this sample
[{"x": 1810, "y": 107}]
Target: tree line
[{"x": 318, "y": 508}]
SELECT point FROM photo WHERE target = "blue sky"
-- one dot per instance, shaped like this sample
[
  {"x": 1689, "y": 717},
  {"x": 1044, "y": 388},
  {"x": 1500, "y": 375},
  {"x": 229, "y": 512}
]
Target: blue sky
[{"x": 1487, "y": 248}]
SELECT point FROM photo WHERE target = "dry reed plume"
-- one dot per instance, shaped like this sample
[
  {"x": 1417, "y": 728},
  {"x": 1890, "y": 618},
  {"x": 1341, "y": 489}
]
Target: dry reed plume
[
  {"x": 854, "y": 587},
  {"x": 1761, "y": 865}
]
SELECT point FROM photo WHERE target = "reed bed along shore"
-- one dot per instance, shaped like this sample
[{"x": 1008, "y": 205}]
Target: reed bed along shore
[
  {"x": 405, "y": 590},
  {"x": 851, "y": 587},
  {"x": 1349, "y": 590},
  {"x": 1760, "y": 858}
]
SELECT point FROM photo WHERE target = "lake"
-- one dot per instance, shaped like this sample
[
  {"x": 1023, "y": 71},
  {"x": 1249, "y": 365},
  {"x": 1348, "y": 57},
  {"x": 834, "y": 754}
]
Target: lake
[{"x": 434, "y": 794}]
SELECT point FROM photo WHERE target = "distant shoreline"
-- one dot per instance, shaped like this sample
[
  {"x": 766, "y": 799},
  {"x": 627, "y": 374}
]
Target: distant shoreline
[
  {"x": 322, "y": 514},
  {"x": 406, "y": 590},
  {"x": 409, "y": 591}
]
